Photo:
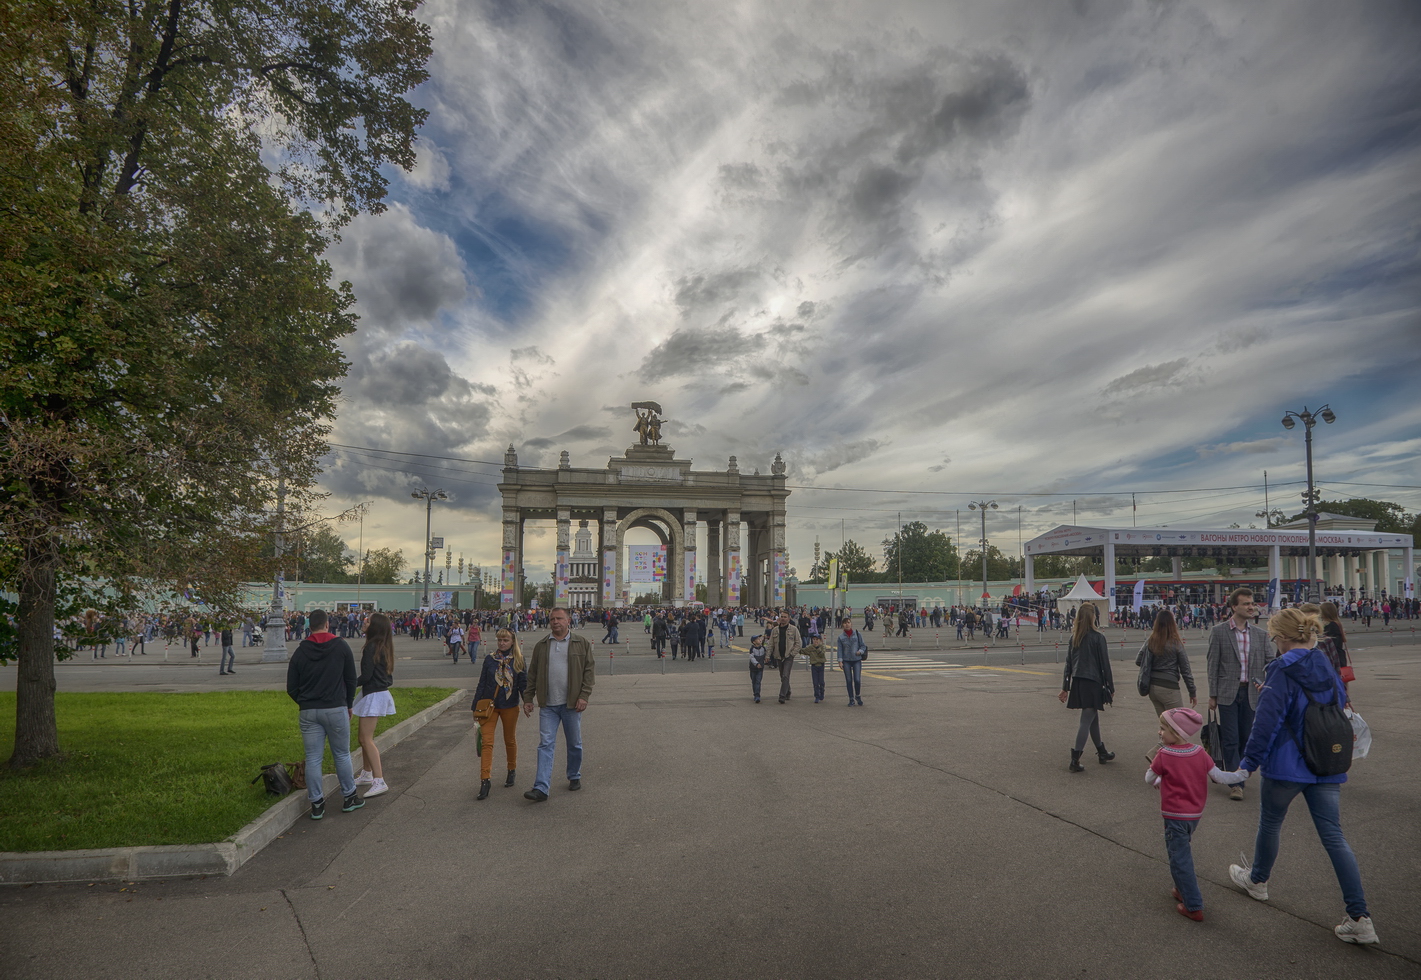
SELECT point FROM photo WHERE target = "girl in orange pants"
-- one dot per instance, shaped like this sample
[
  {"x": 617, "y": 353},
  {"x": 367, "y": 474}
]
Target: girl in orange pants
[{"x": 499, "y": 694}]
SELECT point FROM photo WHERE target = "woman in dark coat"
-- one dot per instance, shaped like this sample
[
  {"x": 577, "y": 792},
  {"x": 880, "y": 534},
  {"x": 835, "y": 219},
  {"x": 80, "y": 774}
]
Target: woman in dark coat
[{"x": 1088, "y": 684}]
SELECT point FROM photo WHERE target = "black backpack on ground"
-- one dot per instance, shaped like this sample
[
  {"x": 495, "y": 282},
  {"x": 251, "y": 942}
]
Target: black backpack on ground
[
  {"x": 276, "y": 780},
  {"x": 1326, "y": 744}
]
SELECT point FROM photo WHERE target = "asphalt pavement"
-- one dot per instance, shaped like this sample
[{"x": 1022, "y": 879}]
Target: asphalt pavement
[{"x": 934, "y": 832}]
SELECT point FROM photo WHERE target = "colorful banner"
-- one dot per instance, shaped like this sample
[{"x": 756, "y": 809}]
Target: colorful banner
[
  {"x": 646, "y": 563},
  {"x": 560, "y": 579},
  {"x": 690, "y": 575},
  {"x": 440, "y": 600},
  {"x": 609, "y": 577},
  {"x": 781, "y": 566},
  {"x": 510, "y": 565},
  {"x": 1272, "y": 593},
  {"x": 833, "y": 582},
  {"x": 732, "y": 581}
]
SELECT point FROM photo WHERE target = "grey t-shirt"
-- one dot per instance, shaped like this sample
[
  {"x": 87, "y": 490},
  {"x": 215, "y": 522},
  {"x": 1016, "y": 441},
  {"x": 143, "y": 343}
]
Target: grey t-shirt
[{"x": 557, "y": 670}]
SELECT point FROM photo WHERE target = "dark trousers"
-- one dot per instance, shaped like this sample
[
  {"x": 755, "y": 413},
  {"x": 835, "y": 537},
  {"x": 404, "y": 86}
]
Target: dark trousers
[
  {"x": 756, "y": 675},
  {"x": 786, "y": 668},
  {"x": 1235, "y": 724},
  {"x": 816, "y": 674},
  {"x": 1177, "y": 836}
]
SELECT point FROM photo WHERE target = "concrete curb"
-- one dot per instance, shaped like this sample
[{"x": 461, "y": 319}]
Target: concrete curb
[{"x": 185, "y": 860}]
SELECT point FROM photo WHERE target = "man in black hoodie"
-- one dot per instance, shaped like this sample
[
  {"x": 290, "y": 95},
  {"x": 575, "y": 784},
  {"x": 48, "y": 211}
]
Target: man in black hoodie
[{"x": 320, "y": 678}]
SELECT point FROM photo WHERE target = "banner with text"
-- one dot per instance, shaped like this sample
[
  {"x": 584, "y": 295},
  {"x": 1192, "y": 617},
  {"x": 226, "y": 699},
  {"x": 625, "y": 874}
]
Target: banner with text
[
  {"x": 647, "y": 562},
  {"x": 560, "y": 579},
  {"x": 509, "y": 564},
  {"x": 609, "y": 578},
  {"x": 732, "y": 581}
]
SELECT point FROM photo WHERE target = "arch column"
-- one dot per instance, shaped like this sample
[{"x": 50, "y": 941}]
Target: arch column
[
  {"x": 611, "y": 570},
  {"x": 560, "y": 570},
  {"x": 688, "y": 535},
  {"x": 733, "y": 569},
  {"x": 713, "y": 563},
  {"x": 512, "y": 561}
]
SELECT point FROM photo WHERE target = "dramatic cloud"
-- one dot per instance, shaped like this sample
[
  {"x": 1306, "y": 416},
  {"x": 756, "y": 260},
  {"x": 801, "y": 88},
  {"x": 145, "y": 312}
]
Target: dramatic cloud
[{"x": 993, "y": 249}]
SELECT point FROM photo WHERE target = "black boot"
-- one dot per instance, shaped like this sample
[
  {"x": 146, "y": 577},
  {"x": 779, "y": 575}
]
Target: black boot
[
  {"x": 1076, "y": 761},
  {"x": 509, "y": 781},
  {"x": 483, "y": 788},
  {"x": 1103, "y": 754}
]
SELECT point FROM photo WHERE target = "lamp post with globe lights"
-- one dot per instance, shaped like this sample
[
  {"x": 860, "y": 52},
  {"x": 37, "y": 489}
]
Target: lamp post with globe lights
[
  {"x": 429, "y": 497},
  {"x": 1309, "y": 419},
  {"x": 983, "y": 505}
]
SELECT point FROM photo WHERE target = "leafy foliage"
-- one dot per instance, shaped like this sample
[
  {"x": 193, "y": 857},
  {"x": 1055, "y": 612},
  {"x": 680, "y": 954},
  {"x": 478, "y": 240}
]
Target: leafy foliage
[
  {"x": 167, "y": 327},
  {"x": 854, "y": 560},
  {"x": 926, "y": 556}
]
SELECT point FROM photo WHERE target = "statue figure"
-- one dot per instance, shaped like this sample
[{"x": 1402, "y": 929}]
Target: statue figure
[{"x": 648, "y": 424}]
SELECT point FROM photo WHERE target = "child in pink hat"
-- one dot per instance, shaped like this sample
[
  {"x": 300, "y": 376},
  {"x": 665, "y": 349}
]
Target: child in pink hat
[{"x": 1182, "y": 770}]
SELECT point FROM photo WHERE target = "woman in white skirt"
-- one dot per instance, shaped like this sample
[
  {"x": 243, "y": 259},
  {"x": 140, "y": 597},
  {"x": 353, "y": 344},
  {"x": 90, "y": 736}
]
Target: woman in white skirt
[{"x": 377, "y": 667}]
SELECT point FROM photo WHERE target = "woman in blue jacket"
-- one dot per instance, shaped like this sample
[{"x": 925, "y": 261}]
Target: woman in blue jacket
[
  {"x": 1300, "y": 671},
  {"x": 851, "y": 651}
]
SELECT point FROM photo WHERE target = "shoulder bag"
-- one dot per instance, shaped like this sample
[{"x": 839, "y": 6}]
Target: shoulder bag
[{"x": 1146, "y": 660}]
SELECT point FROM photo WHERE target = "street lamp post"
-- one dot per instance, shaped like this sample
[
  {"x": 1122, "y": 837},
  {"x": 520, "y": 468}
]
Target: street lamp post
[
  {"x": 429, "y": 497},
  {"x": 982, "y": 505},
  {"x": 1309, "y": 419}
]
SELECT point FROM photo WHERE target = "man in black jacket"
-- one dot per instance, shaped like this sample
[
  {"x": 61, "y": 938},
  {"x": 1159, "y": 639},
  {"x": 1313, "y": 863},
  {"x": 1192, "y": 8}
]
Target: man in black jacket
[{"x": 320, "y": 678}]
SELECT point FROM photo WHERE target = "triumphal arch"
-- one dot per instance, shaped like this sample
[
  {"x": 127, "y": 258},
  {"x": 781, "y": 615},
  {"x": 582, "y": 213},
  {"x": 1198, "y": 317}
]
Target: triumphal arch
[{"x": 648, "y": 487}]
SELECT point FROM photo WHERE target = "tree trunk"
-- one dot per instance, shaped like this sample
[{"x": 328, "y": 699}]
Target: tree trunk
[{"x": 36, "y": 734}]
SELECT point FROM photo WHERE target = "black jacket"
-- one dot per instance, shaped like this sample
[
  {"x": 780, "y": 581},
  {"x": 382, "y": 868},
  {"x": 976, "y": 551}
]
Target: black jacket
[
  {"x": 373, "y": 678},
  {"x": 321, "y": 675}
]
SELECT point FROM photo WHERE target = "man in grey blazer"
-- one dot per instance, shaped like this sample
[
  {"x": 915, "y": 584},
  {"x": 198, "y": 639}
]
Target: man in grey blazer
[{"x": 1238, "y": 651}]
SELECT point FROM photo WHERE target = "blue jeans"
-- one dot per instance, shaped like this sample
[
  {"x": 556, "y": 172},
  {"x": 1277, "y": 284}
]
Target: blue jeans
[
  {"x": 319, "y": 726},
  {"x": 756, "y": 675},
  {"x": 549, "y": 718},
  {"x": 1177, "y": 834},
  {"x": 474, "y": 651},
  {"x": 853, "y": 677},
  {"x": 816, "y": 674},
  {"x": 228, "y": 660},
  {"x": 1235, "y": 723},
  {"x": 1323, "y": 801}
]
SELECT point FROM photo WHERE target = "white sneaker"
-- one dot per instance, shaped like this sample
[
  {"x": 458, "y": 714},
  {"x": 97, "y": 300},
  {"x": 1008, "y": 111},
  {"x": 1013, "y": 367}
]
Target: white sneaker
[
  {"x": 365, "y": 778},
  {"x": 1357, "y": 931},
  {"x": 1241, "y": 876},
  {"x": 377, "y": 786}
]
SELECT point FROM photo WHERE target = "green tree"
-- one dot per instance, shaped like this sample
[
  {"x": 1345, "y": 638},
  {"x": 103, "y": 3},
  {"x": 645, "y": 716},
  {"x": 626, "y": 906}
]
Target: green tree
[
  {"x": 168, "y": 353},
  {"x": 1000, "y": 567},
  {"x": 1391, "y": 518},
  {"x": 927, "y": 556},
  {"x": 859, "y": 564},
  {"x": 383, "y": 566}
]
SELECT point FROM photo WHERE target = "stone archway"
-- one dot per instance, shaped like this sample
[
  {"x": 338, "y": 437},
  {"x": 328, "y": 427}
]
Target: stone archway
[{"x": 669, "y": 530}]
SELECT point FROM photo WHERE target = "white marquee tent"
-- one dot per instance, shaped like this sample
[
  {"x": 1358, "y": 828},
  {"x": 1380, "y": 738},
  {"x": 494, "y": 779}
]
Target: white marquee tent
[{"x": 1082, "y": 592}]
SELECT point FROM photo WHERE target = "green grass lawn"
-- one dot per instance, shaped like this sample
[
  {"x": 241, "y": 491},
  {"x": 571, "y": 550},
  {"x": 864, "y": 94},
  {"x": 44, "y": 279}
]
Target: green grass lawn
[{"x": 156, "y": 768}]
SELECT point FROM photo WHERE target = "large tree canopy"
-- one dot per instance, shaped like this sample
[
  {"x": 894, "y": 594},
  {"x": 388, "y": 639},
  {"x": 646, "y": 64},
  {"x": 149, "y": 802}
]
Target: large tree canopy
[
  {"x": 167, "y": 327},
  {"x": 926, "y": 556}
]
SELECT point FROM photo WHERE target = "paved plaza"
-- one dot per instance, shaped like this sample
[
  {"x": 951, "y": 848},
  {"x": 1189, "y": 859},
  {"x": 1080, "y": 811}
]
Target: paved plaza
[{"x": 933, "y": 833}]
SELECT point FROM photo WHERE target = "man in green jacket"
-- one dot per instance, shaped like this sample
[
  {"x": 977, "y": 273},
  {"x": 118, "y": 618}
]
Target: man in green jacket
[{"x": 561, "y": 673}]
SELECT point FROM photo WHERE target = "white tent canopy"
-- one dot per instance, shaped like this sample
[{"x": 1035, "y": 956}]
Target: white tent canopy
[{"x": 1082, "y": 592}]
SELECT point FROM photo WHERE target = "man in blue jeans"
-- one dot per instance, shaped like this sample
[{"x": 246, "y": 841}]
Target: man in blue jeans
[
  {"x": 561, "y": 673},
  {"x": 320, "y": 678}
]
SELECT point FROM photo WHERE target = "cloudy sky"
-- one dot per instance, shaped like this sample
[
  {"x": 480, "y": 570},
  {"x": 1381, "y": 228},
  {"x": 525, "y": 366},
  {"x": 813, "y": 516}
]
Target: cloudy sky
[{"x": 1005, "y": 248}]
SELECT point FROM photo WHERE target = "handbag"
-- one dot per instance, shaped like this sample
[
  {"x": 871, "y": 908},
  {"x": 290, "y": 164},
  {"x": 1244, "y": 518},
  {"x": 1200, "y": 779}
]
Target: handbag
[
  {"x": 483, "y": 710},
  {"x": 1212, "y": 739},
  {"x": 1147, "y": 664}
]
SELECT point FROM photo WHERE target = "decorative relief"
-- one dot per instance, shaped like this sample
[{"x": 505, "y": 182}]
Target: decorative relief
[{"x": 651, "y": 474}]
